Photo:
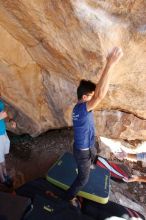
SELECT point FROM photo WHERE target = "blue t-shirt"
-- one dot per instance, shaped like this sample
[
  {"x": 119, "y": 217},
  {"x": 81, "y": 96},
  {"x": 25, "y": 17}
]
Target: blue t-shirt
[
  {"x": 141, "y": 156},
  {"x": 2, "y": 122},
  {"x": 83, "y": 124}
]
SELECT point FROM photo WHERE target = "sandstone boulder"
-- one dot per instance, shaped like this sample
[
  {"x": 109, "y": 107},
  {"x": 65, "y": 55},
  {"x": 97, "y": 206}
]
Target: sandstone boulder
[{"x": 48, "y": 46}]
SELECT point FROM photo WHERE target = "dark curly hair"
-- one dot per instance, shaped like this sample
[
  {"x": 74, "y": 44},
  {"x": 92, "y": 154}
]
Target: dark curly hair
[{"x": 85, "y": 87}]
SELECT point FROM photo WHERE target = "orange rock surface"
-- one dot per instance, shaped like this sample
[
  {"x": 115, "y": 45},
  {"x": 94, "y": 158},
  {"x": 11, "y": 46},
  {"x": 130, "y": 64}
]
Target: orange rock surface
[{"x": 47, "y": 46}]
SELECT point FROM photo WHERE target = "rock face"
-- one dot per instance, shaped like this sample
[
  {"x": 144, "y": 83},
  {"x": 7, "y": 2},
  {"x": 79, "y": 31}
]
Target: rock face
[
  {"x": 48, "y": 46},
  {"x": 117, "y": 124}
]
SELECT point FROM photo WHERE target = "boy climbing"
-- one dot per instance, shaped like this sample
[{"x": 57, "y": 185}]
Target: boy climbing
[{"x": 89, "y": 96}]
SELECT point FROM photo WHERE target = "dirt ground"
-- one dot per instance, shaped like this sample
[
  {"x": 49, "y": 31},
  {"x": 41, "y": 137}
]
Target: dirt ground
[{"x": 30, "y": 158}]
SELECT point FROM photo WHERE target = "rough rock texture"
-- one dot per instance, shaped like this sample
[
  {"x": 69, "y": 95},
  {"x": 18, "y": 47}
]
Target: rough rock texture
[
  {"x": 47, "y": 46},
  {"x": 117, "y": 124},
  {"x": 120, "y": 194}
]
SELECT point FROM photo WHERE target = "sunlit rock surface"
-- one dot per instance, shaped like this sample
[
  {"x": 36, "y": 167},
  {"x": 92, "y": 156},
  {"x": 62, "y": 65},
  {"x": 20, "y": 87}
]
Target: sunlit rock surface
[
  {"x": 117, "y": 124},
  {"x": 120, "y": 194},
  {"x": 48, "y": 46}
]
